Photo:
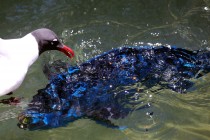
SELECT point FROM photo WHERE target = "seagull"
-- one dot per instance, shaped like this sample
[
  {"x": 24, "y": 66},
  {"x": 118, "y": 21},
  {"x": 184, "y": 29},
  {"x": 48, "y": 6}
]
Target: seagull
[{"x": 17, "y": 55}]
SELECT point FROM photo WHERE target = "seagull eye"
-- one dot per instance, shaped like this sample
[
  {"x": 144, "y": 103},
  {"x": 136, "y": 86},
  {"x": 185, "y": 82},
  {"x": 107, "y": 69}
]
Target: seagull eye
[{"x": 54, "y": 42}]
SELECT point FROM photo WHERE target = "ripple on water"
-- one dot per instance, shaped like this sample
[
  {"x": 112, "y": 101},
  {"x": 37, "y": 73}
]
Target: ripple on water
[{"x": 170, "y": 115}]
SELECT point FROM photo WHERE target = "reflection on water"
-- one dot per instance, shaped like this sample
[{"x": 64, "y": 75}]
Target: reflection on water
[{"x": 91, "y": 27}]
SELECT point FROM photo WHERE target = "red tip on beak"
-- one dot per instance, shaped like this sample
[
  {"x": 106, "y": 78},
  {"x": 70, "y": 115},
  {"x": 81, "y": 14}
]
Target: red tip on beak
[{"x": 67, "y": 51}]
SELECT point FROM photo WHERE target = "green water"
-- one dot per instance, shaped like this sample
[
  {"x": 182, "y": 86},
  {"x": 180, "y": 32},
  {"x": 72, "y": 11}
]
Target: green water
[{"x": 91, "y": 27}]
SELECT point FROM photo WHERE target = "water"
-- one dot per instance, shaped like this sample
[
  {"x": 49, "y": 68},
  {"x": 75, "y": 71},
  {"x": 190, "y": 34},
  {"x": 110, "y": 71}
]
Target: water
[{"x": 91, "y": 27}]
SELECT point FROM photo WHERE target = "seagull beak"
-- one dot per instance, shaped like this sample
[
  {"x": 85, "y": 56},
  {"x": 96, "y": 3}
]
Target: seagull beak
[{"x": 67, "y": 51}]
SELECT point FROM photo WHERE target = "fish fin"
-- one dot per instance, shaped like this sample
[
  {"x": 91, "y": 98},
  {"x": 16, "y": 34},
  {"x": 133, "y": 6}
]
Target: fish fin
[
  {"x": 104, "y": 117},
  {"x": 181, "y": 86}
]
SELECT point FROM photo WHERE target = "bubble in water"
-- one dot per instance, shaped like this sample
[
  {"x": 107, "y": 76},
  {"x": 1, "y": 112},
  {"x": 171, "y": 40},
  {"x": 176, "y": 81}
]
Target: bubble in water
[{"x": 206, "y": 8}]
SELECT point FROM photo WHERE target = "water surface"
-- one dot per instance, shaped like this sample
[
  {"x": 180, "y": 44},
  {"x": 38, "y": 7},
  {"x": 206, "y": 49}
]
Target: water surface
[{"x": 91, "y": 27}]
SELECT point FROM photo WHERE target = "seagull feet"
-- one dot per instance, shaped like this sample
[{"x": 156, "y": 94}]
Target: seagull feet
[
  {"x": 11, "y": 101},
  {"x": 9, "y": 93}
]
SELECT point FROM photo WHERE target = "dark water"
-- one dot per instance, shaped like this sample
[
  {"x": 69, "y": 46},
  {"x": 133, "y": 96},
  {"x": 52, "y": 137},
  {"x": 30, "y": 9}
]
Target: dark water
[{"x": 91, "y": 27}]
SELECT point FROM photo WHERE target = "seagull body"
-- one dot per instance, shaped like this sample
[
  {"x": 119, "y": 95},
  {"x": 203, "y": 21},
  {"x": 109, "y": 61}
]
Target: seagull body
[{"x": 17, "y": 55}]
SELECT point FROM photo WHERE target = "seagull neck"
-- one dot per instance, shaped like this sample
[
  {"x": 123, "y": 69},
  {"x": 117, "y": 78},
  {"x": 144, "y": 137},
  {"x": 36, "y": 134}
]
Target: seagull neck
[{"x": 30, "y": 49}]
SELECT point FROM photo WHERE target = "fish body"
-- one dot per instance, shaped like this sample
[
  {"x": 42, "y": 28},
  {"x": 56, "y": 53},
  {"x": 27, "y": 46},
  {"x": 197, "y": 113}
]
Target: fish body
[{"x": 88, "y": 90}]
